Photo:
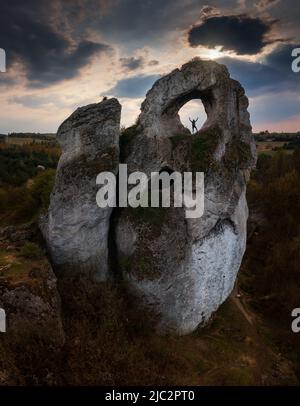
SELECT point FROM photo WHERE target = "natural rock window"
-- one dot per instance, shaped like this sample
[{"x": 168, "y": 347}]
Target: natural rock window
[{"x": 193, "y": 110}]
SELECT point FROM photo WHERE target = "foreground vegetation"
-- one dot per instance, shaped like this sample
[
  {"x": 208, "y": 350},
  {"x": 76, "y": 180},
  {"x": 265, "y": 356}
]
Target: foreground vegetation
[
  {"x": 272, "y": 262},
  {"x": 109, "y": 342},
  {"x": 26, "y": 179}
]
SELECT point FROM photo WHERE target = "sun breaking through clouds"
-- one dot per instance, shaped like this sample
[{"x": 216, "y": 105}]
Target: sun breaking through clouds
[{"x": 61, "y": 55}]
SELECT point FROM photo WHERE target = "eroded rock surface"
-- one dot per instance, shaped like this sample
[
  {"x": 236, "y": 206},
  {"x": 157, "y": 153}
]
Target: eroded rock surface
[
  {"x": 76, "y": 229},
  {"x": 183, "y": 269}
]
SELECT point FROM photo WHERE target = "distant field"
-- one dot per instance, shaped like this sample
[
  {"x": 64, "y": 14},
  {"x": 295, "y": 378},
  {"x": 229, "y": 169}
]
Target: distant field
[
  {"x": 22, "y": 141},
  {"x": 268, "y": 147}
]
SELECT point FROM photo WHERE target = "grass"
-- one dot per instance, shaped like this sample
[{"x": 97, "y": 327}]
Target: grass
[
  {"x": 110, "y": 341},
  {"x": 110, "y": 332},
  {"x": 31, "y": 251},
  {"x": 22, "y": 141},
  {"x": 16, "y": 269},
  {"x": 270, "y": 147}
]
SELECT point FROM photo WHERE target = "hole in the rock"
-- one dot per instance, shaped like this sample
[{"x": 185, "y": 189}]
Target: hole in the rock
[{"x": 192, "y": 115}]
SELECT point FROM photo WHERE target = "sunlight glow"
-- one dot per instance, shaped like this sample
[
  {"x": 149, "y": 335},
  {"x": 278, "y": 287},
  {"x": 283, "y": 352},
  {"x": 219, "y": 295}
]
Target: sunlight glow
[{"x": 214, "y": 53}]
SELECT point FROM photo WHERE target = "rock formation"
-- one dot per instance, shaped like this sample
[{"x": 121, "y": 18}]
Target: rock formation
[
  {"x": 76, "y": 229},
  {"x": 182, "y": 269}
]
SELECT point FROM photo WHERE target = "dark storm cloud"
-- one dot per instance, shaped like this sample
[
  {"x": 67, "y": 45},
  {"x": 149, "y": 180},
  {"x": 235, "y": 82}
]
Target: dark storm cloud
[
  {"x": 61, "y": 64},
  {"x": 272, "y": 75},
  {"x": 149, "y": 21},
  {"x": 272, "y": 86},
  {"x": 240, "y": 33},
  {"x": 281, "y": 58},
  {"x": 253, "y": 76},
  {"x": 134, "y": 87},
  {"x": 134, "y": 63},
  {"x": 47, "y": 55}
]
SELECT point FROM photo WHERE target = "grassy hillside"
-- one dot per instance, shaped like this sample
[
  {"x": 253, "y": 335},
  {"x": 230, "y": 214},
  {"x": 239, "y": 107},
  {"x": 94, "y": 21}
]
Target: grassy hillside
[{"x": 108, "y": 342}]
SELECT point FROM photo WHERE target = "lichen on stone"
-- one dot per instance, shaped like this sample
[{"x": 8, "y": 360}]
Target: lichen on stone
[{"x": 238, "y": 154}]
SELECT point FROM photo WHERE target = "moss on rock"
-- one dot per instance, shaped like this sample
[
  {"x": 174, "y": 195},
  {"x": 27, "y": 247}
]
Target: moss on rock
[
  {"x": 203, "y": 147},
  {"x": 178, "y": 139},
  {"x": 238, "y": 154}
]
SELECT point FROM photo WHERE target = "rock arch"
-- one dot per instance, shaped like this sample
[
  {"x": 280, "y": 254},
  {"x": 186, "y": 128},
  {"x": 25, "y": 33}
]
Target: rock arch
[
  {"x": 193, "y": 110},
  {"x": 208, "y": 81},
  {"x": 186, "y": 268}
]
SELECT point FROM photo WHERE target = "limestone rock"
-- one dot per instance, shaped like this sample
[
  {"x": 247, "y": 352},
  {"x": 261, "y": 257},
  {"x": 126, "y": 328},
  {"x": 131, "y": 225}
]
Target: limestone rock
[
  {"x": 183, "y": 269},
  {"x": 76, "y": 229},
  {"x": 33, "y": 304}
]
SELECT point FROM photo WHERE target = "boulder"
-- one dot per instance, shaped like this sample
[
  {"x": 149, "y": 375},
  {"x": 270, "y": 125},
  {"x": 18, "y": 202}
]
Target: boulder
[
  {"x": 75, "y": 228},
  {"x": 31, "y": 304},
  {"x": 183, "y": 269}
]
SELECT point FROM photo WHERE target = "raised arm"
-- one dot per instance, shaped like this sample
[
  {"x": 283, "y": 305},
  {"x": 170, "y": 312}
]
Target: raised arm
[
  {"x": 196, "y": 119},
  {"x": 190, "y": 119}
]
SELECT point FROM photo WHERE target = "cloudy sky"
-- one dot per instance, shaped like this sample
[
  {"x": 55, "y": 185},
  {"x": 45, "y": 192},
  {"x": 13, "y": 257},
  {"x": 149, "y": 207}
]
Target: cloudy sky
[{"x": 62, "y": 54}]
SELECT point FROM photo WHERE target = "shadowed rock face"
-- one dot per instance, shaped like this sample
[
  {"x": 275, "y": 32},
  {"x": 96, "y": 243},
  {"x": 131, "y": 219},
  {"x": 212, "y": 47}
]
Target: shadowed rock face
[
  {"x": 76, "y": 229},
  {"x": 183, "y": 269}
]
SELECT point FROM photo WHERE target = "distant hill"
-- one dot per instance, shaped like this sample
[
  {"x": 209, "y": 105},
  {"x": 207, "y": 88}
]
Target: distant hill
[
  {"x": 274, "y": 136},
  {"x": 37, "y": 136},
  {"x": 3, "y": 138}
]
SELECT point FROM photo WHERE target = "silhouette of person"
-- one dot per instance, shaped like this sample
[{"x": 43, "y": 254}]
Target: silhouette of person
[{"x": 194, "y": 127}]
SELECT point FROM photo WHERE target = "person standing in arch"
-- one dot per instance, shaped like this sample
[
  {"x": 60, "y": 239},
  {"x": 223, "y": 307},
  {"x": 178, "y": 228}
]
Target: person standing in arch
[{"x": 194, "y": 127}]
